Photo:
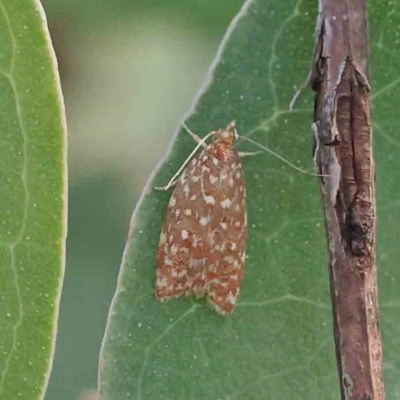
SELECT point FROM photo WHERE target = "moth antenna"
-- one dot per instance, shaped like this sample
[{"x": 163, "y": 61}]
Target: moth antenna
[
  {"x": 199, "y": 144},
  {"x": 193, "y": 135},
  {"x": 282, "y": 159}
]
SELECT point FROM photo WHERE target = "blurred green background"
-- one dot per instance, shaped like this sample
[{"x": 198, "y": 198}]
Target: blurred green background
[{"x": 130, "y": 70}]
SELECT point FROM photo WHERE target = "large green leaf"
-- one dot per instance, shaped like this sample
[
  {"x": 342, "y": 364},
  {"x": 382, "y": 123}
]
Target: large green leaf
[
  {"x": 32, "y": 200},
  {"x": 278, "y": 344}
]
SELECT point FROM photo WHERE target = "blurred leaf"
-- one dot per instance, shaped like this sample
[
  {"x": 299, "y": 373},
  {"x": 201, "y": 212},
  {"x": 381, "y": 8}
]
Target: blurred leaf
[
  {"x": 32, "y": 200},
  {"x": 278, "y": 344},
  {"x": 95, "y": 242},
  {"x": 191, "y": 12}
]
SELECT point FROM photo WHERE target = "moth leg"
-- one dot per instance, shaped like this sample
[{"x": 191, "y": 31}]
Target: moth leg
[
  {"x": 169, "y": 185},
  {"x": 248, "y": 153}
]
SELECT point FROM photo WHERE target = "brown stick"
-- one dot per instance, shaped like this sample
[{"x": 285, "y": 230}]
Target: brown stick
[{"x": 343, "y": 150}]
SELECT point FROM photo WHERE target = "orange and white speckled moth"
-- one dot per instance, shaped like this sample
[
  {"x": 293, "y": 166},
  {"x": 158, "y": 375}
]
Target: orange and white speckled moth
[{"x": 203, "y": 239}]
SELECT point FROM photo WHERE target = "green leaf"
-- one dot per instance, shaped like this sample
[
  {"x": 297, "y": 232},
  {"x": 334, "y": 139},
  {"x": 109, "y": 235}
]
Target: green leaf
[
  {"x": 385, "y": 81},
  {"x": 32, "y": 200},
  {"x": 278, "y": 344}
]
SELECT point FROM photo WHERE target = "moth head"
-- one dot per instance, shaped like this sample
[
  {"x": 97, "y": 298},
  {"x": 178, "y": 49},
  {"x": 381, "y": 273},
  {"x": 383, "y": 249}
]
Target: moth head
[{"x": 227, "y": 135}]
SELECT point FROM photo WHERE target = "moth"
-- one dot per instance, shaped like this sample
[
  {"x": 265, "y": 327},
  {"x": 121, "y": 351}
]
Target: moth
[{"x": 202, "y": 245}]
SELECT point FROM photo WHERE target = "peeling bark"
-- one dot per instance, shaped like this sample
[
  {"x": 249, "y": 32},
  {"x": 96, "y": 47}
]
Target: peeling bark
[{"x": 343, "y": 151}]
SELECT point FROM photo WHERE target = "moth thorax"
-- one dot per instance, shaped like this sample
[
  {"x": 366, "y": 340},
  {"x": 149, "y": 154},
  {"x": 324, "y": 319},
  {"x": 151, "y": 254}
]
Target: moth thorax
[{"x": 226, "y": 152}]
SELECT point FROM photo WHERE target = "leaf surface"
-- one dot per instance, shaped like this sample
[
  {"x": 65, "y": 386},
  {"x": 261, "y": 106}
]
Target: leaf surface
[
  {"x": 278, "y": 344},
  {"x": 32, "y": 200}
]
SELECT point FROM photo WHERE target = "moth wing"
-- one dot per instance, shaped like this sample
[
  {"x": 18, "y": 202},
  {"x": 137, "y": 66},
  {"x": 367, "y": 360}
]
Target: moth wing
[
  {"x": 182, "y": 249},
  {"x": 227, "y": 234}
]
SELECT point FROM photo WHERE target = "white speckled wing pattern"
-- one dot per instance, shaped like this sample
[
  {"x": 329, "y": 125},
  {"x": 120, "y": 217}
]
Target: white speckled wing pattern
[{"x": 203, "y": 239}]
